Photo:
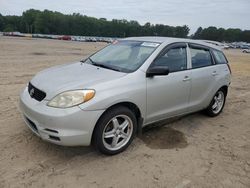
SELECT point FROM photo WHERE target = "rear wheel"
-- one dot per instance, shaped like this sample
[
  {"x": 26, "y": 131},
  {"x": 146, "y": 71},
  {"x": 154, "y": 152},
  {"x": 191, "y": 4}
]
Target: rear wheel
[
  {"x": 115, "y": 130},
  {"x": 217, "y": 104}
]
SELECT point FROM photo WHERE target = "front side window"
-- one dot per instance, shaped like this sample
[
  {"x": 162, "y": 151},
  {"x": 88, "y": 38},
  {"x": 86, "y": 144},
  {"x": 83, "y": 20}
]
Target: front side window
[
  {"x": 123, "y": 56},
  {"x": 219, "y": 57},
  {"x": 200, "y": 58},
  {"x": 175, "y": 59}
]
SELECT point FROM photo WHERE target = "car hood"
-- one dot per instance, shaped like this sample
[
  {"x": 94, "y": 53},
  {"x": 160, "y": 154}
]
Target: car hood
[{"x": 72, "y": 76}]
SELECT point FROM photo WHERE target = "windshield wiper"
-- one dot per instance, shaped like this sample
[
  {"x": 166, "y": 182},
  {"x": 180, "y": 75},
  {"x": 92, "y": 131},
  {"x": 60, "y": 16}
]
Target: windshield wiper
[
  {"x": 104, "y": 66},
  {"x": 84, "y": 60},
  {"x": 91, "y": 60}
]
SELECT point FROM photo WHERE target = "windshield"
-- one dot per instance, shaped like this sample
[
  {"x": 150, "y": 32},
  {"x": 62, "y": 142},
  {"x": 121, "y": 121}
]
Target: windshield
[{"x": 123, "y": 56}]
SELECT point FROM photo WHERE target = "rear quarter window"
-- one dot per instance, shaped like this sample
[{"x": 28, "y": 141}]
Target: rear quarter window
[{"x": 219, "y": 57}]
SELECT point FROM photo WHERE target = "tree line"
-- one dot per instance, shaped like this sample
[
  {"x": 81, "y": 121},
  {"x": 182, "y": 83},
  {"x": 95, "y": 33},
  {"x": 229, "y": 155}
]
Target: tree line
[
  {"x": 50, "y": 22},
  {"x": 220, "y": 34}
]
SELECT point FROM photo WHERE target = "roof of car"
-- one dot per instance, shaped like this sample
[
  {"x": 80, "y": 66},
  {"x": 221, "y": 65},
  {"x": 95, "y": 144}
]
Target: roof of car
[{"x": 171, "y": 40}]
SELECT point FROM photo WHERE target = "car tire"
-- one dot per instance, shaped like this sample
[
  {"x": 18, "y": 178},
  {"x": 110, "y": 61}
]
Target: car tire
[
  {"x": 217, "y": 104},
  {"x": 115, "y": 130}
]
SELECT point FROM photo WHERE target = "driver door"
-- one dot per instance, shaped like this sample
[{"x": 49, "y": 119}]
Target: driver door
[{"x": 168, "y": 95}]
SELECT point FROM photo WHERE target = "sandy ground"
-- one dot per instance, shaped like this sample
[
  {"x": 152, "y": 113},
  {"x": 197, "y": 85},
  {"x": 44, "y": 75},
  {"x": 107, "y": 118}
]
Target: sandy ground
[{"x": 194, "y": 151}]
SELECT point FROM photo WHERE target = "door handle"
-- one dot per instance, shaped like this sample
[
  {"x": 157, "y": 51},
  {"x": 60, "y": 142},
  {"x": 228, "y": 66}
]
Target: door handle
[
  {"x": 186, "y": 78},
  {"x": 214, "y": 73}
]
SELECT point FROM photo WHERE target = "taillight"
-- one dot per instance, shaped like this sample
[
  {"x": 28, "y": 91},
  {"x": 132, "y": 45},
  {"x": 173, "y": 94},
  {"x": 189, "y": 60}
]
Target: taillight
[{"x": 229, "y": 68}]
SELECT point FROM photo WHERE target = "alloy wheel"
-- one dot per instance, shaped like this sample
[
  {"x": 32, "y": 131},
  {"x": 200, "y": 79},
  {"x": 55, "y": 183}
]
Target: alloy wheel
[
  {"x": 117, "y": 132},
  {"x": 219, "y": 100}
]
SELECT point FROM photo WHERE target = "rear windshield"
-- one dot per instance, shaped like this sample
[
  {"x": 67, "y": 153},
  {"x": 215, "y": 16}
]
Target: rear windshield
[{"x": 124, "y": 56}]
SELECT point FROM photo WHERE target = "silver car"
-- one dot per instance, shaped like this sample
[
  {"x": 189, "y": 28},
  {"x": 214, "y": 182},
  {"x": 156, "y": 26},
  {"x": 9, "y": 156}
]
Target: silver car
[
  {"x": 246, "y": 51},
  {"x": 110, "y": 96}
]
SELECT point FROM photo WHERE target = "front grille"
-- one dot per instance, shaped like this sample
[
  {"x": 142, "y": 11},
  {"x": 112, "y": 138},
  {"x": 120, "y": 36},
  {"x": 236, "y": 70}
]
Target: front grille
[{"x": 36, "y": 93}]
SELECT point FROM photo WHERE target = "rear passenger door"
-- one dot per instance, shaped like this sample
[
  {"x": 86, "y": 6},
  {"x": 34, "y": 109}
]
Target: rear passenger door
[{"x": 203, "y": 77}]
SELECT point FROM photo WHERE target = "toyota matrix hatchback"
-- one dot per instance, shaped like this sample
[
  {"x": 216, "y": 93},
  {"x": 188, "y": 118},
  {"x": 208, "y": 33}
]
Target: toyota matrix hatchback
[{"x": 108, "y": 97}]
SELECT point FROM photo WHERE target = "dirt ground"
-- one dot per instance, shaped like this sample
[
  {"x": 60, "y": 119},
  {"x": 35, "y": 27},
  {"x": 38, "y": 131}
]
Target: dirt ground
[{"x": 194, "y": 151}]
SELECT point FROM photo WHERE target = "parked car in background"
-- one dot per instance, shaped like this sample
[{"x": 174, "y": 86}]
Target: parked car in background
[
  {"x": 225, "y": 46},
  {"x": 64, "y": 37},
  {"x": 246, "y": 51},
  {"x": 107, "y": 98},
  {"x": 13, "y": 34},
  {"x": 245, "y": 46}
]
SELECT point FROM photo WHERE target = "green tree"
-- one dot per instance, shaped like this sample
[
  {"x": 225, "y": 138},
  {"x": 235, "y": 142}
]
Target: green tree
[
  {"x": 1, "y": 22},
  {"x": 198, "y": 33},
  {"x": 50, "y": 22}
]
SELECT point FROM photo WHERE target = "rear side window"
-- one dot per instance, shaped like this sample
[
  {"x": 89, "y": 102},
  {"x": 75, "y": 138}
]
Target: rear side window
[
  {"x": 219, "y": 57},
  {"x": 200, "y": 58},
  {"x": 175, "y": 59}
]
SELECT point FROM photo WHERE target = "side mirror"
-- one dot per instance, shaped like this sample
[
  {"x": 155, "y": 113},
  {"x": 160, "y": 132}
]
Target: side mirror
[{"x": 157, "y": 71}]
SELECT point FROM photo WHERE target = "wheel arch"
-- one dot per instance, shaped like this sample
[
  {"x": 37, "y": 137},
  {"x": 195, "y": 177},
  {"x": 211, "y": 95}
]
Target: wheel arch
[
  {"x": 130, "y": 105},
  {"x": 208, "y": 109},
  {"x": 224, "y": 88}
]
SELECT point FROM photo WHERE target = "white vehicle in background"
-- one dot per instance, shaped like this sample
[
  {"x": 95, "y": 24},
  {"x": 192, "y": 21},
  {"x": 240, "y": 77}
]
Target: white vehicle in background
[
  {"x": 246, "y": 50},
  {"x": 225, "y": 46},
  {"x": 78, "y": 38}
]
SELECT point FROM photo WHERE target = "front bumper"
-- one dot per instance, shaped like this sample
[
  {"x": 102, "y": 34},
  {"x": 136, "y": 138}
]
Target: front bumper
[{"x": 68, "y": 127}]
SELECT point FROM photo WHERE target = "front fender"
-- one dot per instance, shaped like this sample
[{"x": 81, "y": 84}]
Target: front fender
[{"x": 131, "y": 88}]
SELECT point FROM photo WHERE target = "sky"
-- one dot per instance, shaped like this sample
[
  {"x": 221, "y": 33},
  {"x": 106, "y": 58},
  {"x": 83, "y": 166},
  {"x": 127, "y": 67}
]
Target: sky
[{"x": 194, "y": 13}]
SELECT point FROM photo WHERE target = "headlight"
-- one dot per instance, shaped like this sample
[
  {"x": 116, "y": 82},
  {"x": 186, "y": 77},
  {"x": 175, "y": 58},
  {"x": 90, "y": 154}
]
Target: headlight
[{"x": 71, "y": 98}]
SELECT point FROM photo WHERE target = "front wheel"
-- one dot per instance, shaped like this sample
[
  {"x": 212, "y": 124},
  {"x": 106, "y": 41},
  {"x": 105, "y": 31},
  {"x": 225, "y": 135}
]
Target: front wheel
[
  {"x": 115, "y": 130},
  {"x": 217, "y": 104}
]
